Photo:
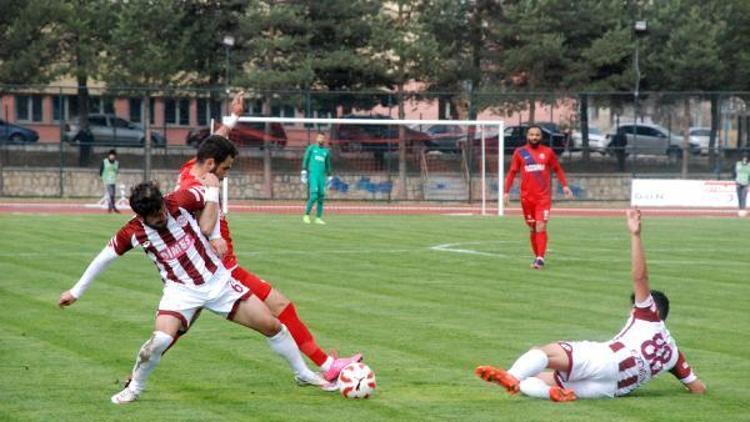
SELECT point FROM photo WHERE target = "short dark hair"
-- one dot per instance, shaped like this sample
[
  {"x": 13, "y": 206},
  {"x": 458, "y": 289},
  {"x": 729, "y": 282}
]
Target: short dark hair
[
  {"x": 534, "y": 125},
  {"x": 660, "y": 299},
  {"x": 216, "y": 147},
  {"x": 112, "y": 152},
  {"x": 146, "y": 199}
]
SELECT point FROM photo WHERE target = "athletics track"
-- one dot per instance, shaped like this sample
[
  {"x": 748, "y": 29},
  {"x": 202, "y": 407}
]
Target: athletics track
[{"x": 364, "y": 208}]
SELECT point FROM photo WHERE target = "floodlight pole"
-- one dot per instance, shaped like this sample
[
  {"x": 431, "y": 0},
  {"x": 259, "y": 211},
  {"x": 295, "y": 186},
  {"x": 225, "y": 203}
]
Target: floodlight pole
[
  {"x": 639, "y": 27},
  {"x": 228, "y": 43}
]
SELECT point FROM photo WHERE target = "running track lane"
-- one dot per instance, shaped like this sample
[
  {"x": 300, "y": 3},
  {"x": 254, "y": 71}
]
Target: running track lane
[{"x": 371, "y": 209}]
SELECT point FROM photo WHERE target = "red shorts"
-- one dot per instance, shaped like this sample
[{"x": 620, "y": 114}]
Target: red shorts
[
  {"x": 534, "y": 210},
  {"x": 257, "y": 286}
]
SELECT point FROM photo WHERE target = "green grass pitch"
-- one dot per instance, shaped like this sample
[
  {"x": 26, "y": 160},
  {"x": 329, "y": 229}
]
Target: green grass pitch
[{"x": 425, "y": 298}]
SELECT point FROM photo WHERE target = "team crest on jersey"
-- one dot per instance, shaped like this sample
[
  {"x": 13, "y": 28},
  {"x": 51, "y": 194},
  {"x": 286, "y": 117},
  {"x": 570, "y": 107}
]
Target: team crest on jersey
[
  {"x": 182, "y": 220},
  {"x": 146, "y": 244}
]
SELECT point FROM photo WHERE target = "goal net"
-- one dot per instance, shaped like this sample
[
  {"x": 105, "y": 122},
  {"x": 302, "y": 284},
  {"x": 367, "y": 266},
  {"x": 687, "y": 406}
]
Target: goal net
[{"x": 446, "y": 161}]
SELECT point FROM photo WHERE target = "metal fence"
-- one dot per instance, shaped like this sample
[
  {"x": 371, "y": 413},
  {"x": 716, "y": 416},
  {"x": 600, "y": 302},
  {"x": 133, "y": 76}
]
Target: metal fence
[{"x": 605, "y": 137}]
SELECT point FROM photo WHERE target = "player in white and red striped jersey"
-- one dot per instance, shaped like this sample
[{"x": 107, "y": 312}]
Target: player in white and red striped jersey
[
  {"x": 215, "y": 155},
  {"x": 193, "y": 275},
  {"x": 643, "y": 349}
]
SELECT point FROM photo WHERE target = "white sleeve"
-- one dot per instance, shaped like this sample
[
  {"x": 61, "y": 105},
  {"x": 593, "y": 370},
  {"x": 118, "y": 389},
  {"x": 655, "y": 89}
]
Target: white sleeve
[{"x": 99, "y": 264}]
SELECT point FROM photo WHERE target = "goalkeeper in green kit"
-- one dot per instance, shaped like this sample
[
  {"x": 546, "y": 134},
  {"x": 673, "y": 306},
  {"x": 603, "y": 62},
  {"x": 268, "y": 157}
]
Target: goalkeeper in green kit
[{"x": 316, "y": 172}]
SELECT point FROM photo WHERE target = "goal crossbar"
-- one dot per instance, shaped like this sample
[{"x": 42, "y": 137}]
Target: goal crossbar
[{"x": 500, "y": 124}]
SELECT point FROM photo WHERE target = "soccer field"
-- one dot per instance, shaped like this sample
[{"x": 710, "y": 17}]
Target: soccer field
[{"x": 425, "y": 298}]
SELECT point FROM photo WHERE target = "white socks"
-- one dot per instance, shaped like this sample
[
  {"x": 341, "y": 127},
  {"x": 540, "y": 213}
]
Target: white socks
[
  {"x": 147, "y": 359},
  {"x": 529, "y": 364},
  {"x": 327, "y": 364},
  {"x": 535, "y": 387},
  {"x": 283, "y": 345}
]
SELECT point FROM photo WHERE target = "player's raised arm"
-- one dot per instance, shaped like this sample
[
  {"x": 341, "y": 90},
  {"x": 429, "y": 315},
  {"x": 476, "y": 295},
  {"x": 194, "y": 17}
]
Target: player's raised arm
[
  {"x": 236, "y": 108},
  {"x": 639, "y": 271}
]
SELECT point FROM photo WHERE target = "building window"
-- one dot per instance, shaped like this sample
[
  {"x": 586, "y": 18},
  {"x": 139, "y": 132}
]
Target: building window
[
  {"x": 283, "y": 111},
  {"x": 177, "y": 111},
  {"x": 99, "y": 105},
  {"x": 136, "y": 110},
  {"x": 152, "y": 110},
  {"x": 29, "y": 108},
  {"x": 207, "y": 110}
]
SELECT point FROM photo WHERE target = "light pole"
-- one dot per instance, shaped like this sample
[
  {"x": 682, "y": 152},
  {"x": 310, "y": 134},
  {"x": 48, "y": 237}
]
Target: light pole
[
  {"x": 639, "y": 28},
  {"x": 228, "y": 43}
]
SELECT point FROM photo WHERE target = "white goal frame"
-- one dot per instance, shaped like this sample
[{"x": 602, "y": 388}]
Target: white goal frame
[{"x": 479, "y": 124}]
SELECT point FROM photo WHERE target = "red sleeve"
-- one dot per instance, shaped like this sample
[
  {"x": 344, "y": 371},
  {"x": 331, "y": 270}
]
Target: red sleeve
[
  {"x": 122, "y": 241},
  {"x": 646, "y": 311},
  {"x": 515, "y": 166},
  {"x": 557, "y": 168},
  {"x": 191, "y": 199},
  {"x": 682, "y": 370}
]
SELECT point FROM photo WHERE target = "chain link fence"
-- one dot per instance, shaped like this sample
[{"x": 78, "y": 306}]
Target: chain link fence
[{"x": 602, "y": 140}]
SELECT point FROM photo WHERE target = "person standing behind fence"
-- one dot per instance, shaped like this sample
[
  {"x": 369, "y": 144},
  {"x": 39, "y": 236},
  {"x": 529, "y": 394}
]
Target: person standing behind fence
[
  {"x": 742, "y": 178},
  {"x": 108, "y": 172},
  {"x": 316, "y": 172}
]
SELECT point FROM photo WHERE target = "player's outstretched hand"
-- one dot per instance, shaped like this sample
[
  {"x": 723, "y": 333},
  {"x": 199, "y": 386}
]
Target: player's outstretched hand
[
  {"x": 506, "y": 198},
  {"x": 66, "y": 299},
  {"x": 210, "y": 180},
  {"x": 634, "y": 221},
  {"x": 238, "y": 104}
]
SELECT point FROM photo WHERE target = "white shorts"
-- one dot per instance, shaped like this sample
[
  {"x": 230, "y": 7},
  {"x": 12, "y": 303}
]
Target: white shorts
[
  {"x": 593, "y": 369},
  {"x": 220, "y": 297}
]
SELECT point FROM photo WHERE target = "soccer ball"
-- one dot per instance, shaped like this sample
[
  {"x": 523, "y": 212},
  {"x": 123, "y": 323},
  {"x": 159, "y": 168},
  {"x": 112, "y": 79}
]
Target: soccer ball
[{"x": 356, "y": 381}]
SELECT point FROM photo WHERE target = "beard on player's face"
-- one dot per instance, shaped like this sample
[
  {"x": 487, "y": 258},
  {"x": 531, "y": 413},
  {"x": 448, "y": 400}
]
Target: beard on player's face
[{"x": 158, "y": 220}]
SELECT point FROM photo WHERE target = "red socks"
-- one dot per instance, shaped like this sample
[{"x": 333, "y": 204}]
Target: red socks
[
  {"x": 541, "y": 243},
  {"x": 302, "y": 335},
  {"x": 538, "y": 243}
]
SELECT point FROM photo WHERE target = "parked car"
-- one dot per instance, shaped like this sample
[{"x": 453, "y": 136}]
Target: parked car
[
  {"x": 700, "y": 136},
  {"x": 446, "y": 138},
  {"x": 598, "y": 141},
  {"x": 109, "y": 129},
  {"x": 515, "y": 136},
  {"x": 381, "y": 137},
  {"x": 650, "y": 139},
  {"x": 14, "y": 134},
  {"x": 244, "y": 134}
]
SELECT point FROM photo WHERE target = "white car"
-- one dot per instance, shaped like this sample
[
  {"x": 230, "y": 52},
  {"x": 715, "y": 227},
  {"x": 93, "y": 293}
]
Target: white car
[
  {"x": 597, "y": 140},
  {"x": 701, "y": 136}
]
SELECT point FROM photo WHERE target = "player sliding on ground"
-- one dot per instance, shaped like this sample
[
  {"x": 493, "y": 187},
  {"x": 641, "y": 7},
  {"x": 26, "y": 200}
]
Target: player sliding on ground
[
  {"x": 216, "y": 156},
  {"x": 536, "y": 163},
  {"x": 585, "y": 369},
  {"x": 194, "y": 278}
]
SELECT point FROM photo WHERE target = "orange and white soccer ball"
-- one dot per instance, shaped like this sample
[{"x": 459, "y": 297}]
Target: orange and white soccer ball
[{"x": 357, "y": 381}]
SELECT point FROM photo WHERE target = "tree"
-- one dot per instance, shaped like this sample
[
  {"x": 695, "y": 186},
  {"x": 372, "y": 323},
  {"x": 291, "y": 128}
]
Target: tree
[
  {"x": 148, "y": 49},
  {"x": 26, "y": 49},
  {"x": 684, "y": 54},
  {"x": 274, "y": 35}
]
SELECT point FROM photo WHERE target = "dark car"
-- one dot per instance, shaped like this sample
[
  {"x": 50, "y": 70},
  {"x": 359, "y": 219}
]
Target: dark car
[
  {"x": 245, "y": 134},
  {"x": 515, "y": 136},
  {"x": 379, "y": 137},
  {"x": 15, "y": 134}
]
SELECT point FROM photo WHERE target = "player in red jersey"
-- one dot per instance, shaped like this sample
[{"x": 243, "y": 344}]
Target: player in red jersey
[
  {"x": 193, "y": 275},
  {"x": 536, "y": 163},
  {"x": 643, "y": 349},
  {"x": 215, "y": 156}
]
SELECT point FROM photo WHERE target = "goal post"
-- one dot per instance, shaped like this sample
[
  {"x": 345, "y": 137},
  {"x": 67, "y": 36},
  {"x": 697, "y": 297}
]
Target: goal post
[{"x": 482, "y": 126}]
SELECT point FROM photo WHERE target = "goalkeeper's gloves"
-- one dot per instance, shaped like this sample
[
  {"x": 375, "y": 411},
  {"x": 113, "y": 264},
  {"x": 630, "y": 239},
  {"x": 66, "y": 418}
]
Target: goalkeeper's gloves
[
  {"x": 329, "y": 181},
  {"x": 303, "y": 176}
]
